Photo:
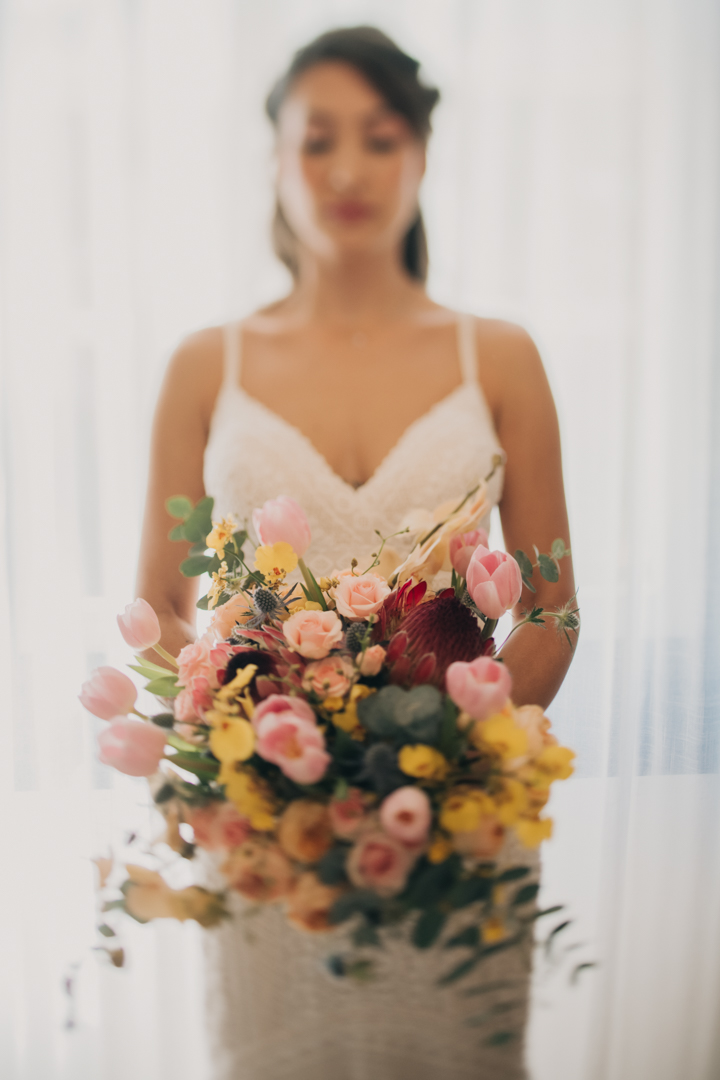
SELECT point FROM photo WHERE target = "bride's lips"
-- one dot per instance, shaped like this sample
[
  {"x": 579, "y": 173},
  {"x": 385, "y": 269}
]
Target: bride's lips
[{"x": 349, "y": 210}]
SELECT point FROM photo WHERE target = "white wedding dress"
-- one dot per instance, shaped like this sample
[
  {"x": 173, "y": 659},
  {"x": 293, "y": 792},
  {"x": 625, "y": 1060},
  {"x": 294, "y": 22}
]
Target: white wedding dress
[{"x": 274, "y": 1012}]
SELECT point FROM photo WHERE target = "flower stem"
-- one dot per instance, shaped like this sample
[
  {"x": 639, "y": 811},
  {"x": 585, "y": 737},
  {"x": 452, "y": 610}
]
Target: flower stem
[
  {"x": 312, "y": 586},
  {"x": 141, "y": 715},
  {"x": 166, "y": 655}
]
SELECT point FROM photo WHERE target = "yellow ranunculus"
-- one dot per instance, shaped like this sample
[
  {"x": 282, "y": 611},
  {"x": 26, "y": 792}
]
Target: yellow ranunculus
[
  {"x": 242, "y": 679},
  {"x": 221, "y": 533},
  {"x": 555, "y": 763},
  {"x": 347, "y": 719},
  {"x": 304, "y": 605},
  {"x": 249, "y": 796},
  {"x": 510, "y": 800},
  {"x": 440, "y": 849},
  {"x": 501, "y": 735},
  {"x": 424, "y": 762},
  {"x": 275, "y": 561},
  {"x": 492, "y": 930},
  {"x": 463, "y": 811},
  {"x": 532, "y": 831},
  {"x": 232, "y": 740}
]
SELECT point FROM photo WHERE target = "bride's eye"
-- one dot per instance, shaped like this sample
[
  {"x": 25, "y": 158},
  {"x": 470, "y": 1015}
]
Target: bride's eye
[
  {"x": 380, "y": 144},
  {"x": 317, "y": 144}
]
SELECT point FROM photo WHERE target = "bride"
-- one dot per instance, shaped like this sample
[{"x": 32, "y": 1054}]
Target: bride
[{"x": 363, "y": 399}]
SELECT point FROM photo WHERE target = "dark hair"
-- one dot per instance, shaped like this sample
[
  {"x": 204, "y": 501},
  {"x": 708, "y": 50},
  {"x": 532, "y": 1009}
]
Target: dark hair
[{"x": 395, "y": 75}]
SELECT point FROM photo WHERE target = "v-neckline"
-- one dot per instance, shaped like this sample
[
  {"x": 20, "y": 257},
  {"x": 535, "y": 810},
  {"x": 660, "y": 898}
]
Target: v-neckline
[{"x": 320, "y": 457}]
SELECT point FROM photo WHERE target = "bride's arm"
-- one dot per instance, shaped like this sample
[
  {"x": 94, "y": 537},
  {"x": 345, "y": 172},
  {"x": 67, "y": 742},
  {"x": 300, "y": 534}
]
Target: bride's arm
[
  {"x": 179, "y": 435},
  {"x": 532, "y": 509}
]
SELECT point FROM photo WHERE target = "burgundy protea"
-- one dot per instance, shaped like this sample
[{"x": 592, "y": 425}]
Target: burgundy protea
[
  {"x": 396, "y": 607},
  {"x": 432, "y": 636}
]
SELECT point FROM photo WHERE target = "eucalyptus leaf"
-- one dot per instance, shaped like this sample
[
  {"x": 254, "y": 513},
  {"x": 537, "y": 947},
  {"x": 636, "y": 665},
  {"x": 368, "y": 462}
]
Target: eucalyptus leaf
[
  {"x": 526, "y": 567},
  {"x": 106, "y": 931},
  {"x": 525, "y": 894},
  {"x": 428, "y": 928},
  {"x": 196, "y": 565},
  {"x": 548, "y": 568},
  {"x": 177, "y": 533},
  {"x": 179, "y": 506},
  {"x": 558, "y": 549},
  {"x": 461, "y": 970},
  {"x": 470, "y": 891},
  {"x": 469, "y": 936},
  {"x": 513, "y": 874}
]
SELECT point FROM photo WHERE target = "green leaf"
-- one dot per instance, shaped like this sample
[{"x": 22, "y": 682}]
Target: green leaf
[
  {"x": 177, "y": 533},
  {"x": 202, "y": 603},
  {"x": 148, "y": 666},
  {"x": 581, "y": 967},
  {"x": 200, "y": 766},
  {"x": 461, "y": 970},
  {"x": 195, "y": 565},
  {"x": 106, "y": 931},
  {"x": 181, "y": 744},
  {"x": 164, "y": 687},
  {"x": 428, "y": 928},
  {"x": 528, "y": 584},
  {"x": 167, "y": 791},
  {"x": 469, "y": 936},
  {"x": 470, "y": 891},
  {"x": 366, "y": 934},
  {"x": 360, "y": 901},
  {"x": 554, "y": 932},
  {"x": 433, "y": 882},
  {"x": 179, "y": 506},
  {"x": 513, "y": 874},
  {"x": 450, "y": 742},
  {"x": 548, "y": 568},
  {"x": 526, "y": 567},
  {"x": 331, "y": 868},
  {"x": 500, "y": 1038},
  {"x": 114, "y": 905},
  {"x": 240, "y": 537},
  {"x": 547, "y": 911},
  {"x": 526, "y": 894},
  {"x": 199, "y": 523},
  {"x": 558, "y": 549},
  {"x": 163, "y": 719}
]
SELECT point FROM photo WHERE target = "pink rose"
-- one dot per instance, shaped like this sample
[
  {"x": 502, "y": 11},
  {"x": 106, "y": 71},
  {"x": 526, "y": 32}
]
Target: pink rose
[
  {"x": 482, "y": 843},
  {"x": 313, "y": 633},
  {"x": 348, "y": 816},
  {"x": 371, "y": 660},
  {"x": 259, "y": 870},
  {"x": 406, "y": 815},
  {"x": 283, "y": 519},
  {"x": 139, "y": 625},
  {"x": 108, "y": 693},
  {"x": 132, "y": 746},
  {"x": 480, "y": 688},
  {"x": 331, "y": 677},
  {"x": 194, "y": 660},
  {"x": 494, "y": 581},
  {"x": 462, "y": 546},
  {"x": 296, "y": 746},
  {"x": 381, "y": 863},
  {"x": 361, "y": 595},
  {"x": 185, "y": 711},
  {"x": 218, "y": 826},
  {"x": 281, "y": 703},
  {"x": 225, "y": 618}
]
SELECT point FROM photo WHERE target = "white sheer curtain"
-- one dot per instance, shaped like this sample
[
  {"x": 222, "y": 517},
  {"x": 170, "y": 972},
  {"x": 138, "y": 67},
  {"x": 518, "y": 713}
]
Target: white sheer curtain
[{"x": 573, "y": 186}]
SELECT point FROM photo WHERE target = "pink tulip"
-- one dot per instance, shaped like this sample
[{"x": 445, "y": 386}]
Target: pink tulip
[
  {"x": 282, "y": 519},
  {"x": 282, "y": 703},
  {"x": 494, "y": 581},
  {"x": 296, "y": 746},
  {"x": 139, "y": 626},
  {"x": 480, "y": 688},
  {"x": 406, "y": 815},
  {"x": 108, "y": 693},
  {"x": 132, "y": 746},
  {"x": 462, "y": 546}
]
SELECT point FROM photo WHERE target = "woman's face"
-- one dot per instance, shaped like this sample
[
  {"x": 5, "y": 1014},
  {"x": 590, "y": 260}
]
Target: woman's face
[{"x": 349, "y": 168}]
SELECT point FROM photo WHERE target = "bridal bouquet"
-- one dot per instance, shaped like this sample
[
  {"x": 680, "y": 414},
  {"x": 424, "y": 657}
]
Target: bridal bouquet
[{"x": 346, "y": 746}]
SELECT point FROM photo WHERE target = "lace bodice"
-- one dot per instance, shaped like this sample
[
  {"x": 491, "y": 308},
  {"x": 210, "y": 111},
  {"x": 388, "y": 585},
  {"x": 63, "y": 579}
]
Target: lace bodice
[
  {"x": 253, "y": 455},
  {"x": 274, "y": 1012}
]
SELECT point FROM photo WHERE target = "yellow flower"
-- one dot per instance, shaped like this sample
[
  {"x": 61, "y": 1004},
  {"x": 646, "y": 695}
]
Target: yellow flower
[
  {"x": 222, "y": 532},
  {"x": 274, "y": 561},
  {"x": 232, "y": 740},
  {"x": 463, "y": 811},
  {"x": 501, "y": 735},
  {"x": 304, "y": 605},
  {"x": 492, "y": 930},
  {"x": 218, "y": 585},
  {"x": 554, "y": 763},
  {"x": 532, "y": 831},
  {"x": 242, "y": 679},
  {"x": 440, "y": 849},
  {"x": 510, "y": 800},
  {"x": 348, "y": 719},
  {"x": 334, "y": 704},
  {"x": 423, "y": 761},
  {"x": 249, "y": 795}
]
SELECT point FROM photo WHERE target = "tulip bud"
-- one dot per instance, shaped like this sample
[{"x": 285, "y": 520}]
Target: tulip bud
[
  {"x": 108, "y": 693},
  {"x": 131, "y": 746},
  {"x": 494, "y": 581},
  {"x": 139, "y": 626},
  {"x": 283, "y": 520},
  {"x": 480, "y": 688}
]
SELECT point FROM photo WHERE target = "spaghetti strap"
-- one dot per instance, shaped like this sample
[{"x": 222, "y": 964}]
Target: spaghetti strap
[
  {"x": 232, "y": 354},
  {"x": 466, "y": 347}
]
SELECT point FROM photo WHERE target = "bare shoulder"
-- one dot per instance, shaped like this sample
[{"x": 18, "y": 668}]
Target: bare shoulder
[
  {"x": 510, "y": 369},
  {"x": 195, "y": 370}
]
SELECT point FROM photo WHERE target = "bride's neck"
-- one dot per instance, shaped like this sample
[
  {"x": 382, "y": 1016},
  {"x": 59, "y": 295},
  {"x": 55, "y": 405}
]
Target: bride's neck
[{"x": 354, "y": 293}]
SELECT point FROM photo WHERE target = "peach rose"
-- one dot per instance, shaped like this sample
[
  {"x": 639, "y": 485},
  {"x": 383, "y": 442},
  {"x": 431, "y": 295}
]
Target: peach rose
[
  {"x": 218, "y": 826},
  {"x": 536, "y": 726},
  {"x": 371, "y": 660},
  {"x": 310, "y": 902},
  {"x": 331, "y": 677},
  {"x": 313, "y": 633},
  {"x": 296, "y": 746},
  {"x": 304, "y": 832},
  {"x": 238, "y": 609},
  {"x": 406, "y": 815},
  {"x": 259, "y": 870},
  {"x": 348, "y": 816},
  {"x": 482, "y": 843},
  {"x": 380, "y": 863},
  {"x": 359, "y": 596}
]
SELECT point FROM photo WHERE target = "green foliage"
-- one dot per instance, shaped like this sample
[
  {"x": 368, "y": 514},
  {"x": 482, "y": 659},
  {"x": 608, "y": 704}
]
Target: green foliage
[
  {"x": 366, "y": 935},
  {"x": 196, "y": 565},
  {"x": 548, "y": 568},
  {"x": 412, "y": 716},
  {"x": 106, "y": 931},
  {"x": 513, "y": 874},
  {"x": 581, "y": 967},
  {"x": 526, "y": 567},
  {"x": 204, "y": 767},
  {"x": 428, "y": 928},
  {"x": 500, "y": 1038},
  {"x": 164, "y": 719},
  {"x": 164, "y": 686},
  {"x": 431, "y": 882},
  {"x": 558, "y": 549},
  {"x": 550, "y": 940},
  {"x": 451, "y": 741},
  {"x": 470, "y": 936},
  {"x": 470, "y": 891},
  {"x": 331, "y": 868},
  {"x": 358, "y": 902},
  {"x": 526, "y": 894},
  {"x": 179, "y": 506},
  {"x": 460, "y": 970}
]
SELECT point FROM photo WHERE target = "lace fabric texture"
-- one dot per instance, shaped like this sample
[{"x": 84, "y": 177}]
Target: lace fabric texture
[{"x": 274, "y": 1012}]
